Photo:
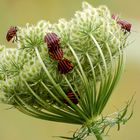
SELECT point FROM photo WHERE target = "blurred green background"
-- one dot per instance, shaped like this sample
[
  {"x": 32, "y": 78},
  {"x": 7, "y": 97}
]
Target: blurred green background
[{"x": 17, "y": 126}]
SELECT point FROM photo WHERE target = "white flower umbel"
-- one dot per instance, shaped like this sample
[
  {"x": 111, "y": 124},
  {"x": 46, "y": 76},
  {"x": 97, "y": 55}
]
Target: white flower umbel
[{"x": 92, "y": 59}]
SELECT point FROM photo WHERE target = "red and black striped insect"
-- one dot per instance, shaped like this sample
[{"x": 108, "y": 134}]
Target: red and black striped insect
[
  {"x": 125, "y": 25},
  {"x": 64, "y": 66},
  {"x": 12, "y": 34},
  {"x": 52, "y": 40},
  {"x": 56, "y": 54},
  {"x": 53, "y": 44},
  {"x": 72, "y": 97}
]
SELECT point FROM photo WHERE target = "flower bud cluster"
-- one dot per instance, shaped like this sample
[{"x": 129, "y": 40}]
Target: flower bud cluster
[{"x": 79, "y": 52}]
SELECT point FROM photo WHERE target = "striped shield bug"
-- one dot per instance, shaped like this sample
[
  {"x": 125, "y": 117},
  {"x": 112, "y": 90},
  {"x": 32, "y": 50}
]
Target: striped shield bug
[
  {"x": 56, "y": 54},
  {"x": 54, "y": 48},
  {"x": 72, "y": 97},
  {"x": 64, "y": 66},
  {"x": 12, "y": 34},
  {"x": 124, "y": 25},
  {"x": 52, "y": 40}
]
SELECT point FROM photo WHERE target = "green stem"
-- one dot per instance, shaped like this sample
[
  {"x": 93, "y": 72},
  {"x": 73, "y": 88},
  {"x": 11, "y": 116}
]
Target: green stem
[
  {"x": 99, "y": 137},
  {"x": 84, "y": 132}
]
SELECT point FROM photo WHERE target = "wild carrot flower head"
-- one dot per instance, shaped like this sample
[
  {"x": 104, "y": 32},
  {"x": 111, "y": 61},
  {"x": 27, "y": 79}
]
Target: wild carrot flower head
[{"x": 66, "y": 72}]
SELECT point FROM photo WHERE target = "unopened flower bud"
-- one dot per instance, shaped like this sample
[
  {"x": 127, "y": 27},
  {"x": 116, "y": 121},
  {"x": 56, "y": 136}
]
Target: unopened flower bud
[{"x": 115, "y": 17}]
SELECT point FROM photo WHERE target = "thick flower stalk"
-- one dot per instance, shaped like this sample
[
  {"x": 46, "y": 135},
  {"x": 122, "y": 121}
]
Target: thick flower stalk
[{"x": 67, "y": 71}]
